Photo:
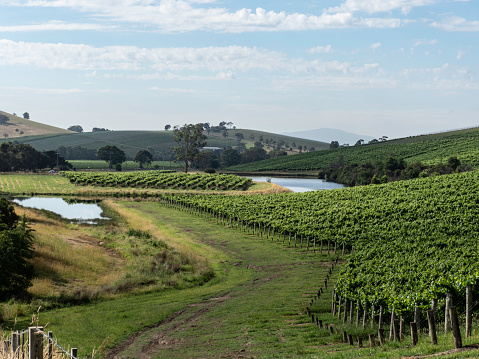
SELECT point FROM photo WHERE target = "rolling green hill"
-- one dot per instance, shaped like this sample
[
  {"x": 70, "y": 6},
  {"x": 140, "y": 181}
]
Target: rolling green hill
[
  {"x": 429, "y": 149},
  {"x": 133, "y": 141},
  {"x": 18, "y": 127}
]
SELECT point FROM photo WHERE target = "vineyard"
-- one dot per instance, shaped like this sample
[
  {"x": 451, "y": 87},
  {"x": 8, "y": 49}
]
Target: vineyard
[
  {"x": 429, "y": 150},
  {"x": 413, "y": 241},
  {"x": 160, "y": 180}
]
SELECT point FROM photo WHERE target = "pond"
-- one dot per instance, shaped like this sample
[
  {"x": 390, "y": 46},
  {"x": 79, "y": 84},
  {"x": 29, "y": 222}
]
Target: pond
[
  {"x": 72, "y": 209},
  {"x": 300, "y": 184}
]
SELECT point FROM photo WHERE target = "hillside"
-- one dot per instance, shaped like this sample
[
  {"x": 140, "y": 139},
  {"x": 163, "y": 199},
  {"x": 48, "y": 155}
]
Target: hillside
[
  {"x": 18, "y": 127},
  {"x": 429, "y": 149},
  {"x": 133, "y": 141}
]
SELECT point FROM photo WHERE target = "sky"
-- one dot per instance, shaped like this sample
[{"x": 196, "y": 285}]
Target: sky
[{"x": 391, "y": 68}]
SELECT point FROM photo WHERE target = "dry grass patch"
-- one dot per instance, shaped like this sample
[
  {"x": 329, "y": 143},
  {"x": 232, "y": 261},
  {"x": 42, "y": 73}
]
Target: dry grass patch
[{"x": 66, "y": 260}]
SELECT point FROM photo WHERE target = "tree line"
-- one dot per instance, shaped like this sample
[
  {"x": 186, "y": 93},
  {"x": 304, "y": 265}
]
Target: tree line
[
  {"x": 23, "y": 157},
  {"x": 390, "y": 169}
]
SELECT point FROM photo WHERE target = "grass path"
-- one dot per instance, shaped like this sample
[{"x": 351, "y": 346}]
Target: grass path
[{"x": 263, "y": 317}]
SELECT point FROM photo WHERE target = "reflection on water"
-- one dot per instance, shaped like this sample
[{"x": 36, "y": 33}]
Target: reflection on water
[
  {"x": 300, "y": 184},
  {"x": 70, "y": 209}
]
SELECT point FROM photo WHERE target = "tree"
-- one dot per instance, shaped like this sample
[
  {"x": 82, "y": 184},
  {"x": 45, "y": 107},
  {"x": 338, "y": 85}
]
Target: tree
[
  {"x": 359, "y": 142},
  {"x": 16, "y": 248},
  {"x": 225, "y": 133},
  {"x": 112, "y": 155},
  {"x": 334, "y": 144},
  {"x": 167, "y": 127},
  {"x": 230, "y": 157},
  {"x": 143, "y": 157},
  {"x": 75, "y": 128},
  {"x": 239, "y": 136},
  {"x": 98, "y": 129},
  {"x": 254, "y": 154},
  {"x": 3, "y": 119},
  {"x": 453, "y": 162},
  {"x": 26, "y": 116},
  {"x": 190, "y": 139}
]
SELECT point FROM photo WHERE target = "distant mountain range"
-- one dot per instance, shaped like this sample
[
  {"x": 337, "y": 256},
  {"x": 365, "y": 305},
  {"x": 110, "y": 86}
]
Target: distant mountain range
[{"x": 328, "y": 134}]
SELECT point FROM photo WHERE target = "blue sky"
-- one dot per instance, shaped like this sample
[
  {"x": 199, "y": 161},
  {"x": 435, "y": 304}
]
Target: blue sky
[{"x": 375, "y": 67}]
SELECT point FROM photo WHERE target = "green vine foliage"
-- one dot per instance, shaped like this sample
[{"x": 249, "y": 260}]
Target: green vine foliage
[{"x": 413, "y": 240}]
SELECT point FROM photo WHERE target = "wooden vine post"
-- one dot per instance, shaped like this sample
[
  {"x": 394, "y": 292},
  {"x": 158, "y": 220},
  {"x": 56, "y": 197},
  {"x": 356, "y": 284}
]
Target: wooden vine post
[
  {"x": 468, "y": 310},
  {"x": 413, "y": 333},
  {"x": 417, "y": 316},
  {"x": 455, "y": 328},
  {"x": 447, "y": 317},
  {"x": 432, "y": 326}
]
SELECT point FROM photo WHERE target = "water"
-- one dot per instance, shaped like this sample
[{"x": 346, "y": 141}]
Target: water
[
  {"x": 75, "y": 212},
  {"x": 300, "y": 184}
]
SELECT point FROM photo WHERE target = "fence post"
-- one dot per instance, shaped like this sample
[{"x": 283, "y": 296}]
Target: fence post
[
  {"x": 339, "y": 307},
  {"x": 468, "y": 310},
  {"x": 381, "y": 336},
  {"x": 447, "y": 316},
  {"x": 32, "y": 343},
  {"x": 50, "y": 345},
  {"x": 381, "y": 316},
  {"x": 39, "y": 339},
  {"x": 351, "y": 312},
  {"x": 455, "y": 328},
  {"x": 417, "y": 316},
  {"x": 346, "y": 305},
  {"x": 432, "y": 326},
  {"x": 365, "y": 315},
  {"x": 358, "y": 309},
  {"x": 413, "y": 333},
  {"x": 391, "y": 325},
  {"x": 15, "y": 344}
]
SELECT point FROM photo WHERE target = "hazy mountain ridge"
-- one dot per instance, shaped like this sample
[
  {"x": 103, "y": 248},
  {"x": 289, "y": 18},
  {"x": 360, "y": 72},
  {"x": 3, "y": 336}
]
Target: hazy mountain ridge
[{"x": 328, "y": 134}]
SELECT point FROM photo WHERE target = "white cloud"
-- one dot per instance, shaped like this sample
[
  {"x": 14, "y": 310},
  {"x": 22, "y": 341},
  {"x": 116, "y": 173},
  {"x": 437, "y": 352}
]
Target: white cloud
[
  {"x": 46, "y": 90},
  {"x": 461, "y": 54},
  {"x": 224, "y": 61},
  {"x": 171, "y": 16},
  {"x": 320, "y": 49},
  {"x": 377, "y": 6},
  {"x": 455, "y": 23},
  {"x": 173, "y": 90},
  {"x": 54, "y": 26},
  {"x": 423, "y": 42},
  {"x": 375, "y": 46}
]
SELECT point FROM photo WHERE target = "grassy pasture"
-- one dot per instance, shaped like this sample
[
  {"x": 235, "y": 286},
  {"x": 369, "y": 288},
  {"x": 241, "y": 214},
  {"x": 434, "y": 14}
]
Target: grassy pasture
[{"x": 133, "y": 141}]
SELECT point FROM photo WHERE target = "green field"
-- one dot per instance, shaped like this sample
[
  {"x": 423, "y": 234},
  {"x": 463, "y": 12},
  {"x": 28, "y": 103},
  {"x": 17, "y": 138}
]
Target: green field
[
  {"x": 133, "y": 141},
  {"x": 430, "y": 149}
]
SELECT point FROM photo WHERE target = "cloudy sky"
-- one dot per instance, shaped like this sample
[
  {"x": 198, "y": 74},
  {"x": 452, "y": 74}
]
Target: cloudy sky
[{"x": 375, "y": 67}]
